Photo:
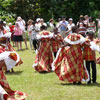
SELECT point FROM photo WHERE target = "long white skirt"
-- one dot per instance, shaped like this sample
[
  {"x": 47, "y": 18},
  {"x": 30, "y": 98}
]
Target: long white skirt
[
  {"x": 2, "y": 93},
  {"x": 10, "y": 63}
]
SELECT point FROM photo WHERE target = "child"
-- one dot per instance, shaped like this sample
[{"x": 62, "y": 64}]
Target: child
[
  {"x": 56, "y": 41},
  {"x": 90, "y": 58}
]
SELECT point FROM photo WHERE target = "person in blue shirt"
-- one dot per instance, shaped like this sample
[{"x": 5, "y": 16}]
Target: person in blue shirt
[{"x": 63, "y": 27}]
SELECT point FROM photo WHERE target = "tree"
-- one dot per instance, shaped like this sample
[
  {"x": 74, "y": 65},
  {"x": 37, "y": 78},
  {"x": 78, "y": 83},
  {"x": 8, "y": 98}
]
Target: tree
[{"x": 49, "y": 8}]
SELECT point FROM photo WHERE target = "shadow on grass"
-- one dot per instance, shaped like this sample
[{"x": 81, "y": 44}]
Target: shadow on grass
[
  {"x": 45, "y": 72},
  {"x": 21, "y": 50},
  {"x": 14, "y": 73},
  {"x": 83, "y": 84}
]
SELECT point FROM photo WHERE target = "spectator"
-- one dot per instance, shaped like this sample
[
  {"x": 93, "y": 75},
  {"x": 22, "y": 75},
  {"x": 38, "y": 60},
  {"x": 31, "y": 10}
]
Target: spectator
[
  {"x": 63, "y": 27},
  {"x": 82, "y": 29},
  {"x": 70, "y": 25},
  {"x": 91, "y": 25},
  {"x": 98, "y": 25},
  {"x": 59, "y": 19},
  {"x": 51, "y": 24},
  {"x": 22, "y": 26},
  {"x": 12, "y": 31},
  {"x": 18, "y": 36},
  {"x": 29, "y": 29}
]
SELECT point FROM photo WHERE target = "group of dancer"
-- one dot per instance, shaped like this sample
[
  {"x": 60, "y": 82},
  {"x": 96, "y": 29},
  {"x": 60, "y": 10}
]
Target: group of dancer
[
  {"x": 69, "y": 53},
  {"x": 8, "y": 59},
  {"x": 65, "y": 48}
]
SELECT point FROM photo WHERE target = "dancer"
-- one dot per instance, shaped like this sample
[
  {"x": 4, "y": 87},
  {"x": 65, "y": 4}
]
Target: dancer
[
  {"x": 57, "y": 41},
  {"x": 44, "y": 57},
  {"x": 90, "y": 58},
  {"x": 8, "y": 59},
  {"x": 68, "y": 64}
]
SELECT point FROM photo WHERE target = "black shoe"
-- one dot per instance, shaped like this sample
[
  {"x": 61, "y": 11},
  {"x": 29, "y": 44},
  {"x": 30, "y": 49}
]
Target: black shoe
[
  {"x": 89, "y": 82},
  {"x": 12, "y": 70},
  {"x": 74, "y": 83},
  {"x": 7, "y": 72},
  {"x": 95, "y": 83},
  {"x": 79, "y": 83}
]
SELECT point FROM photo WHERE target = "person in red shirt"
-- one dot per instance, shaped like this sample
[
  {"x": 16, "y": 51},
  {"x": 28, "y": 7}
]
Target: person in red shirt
[
  {"x": 90, "y": 57},
  {"x": 56, "y": 42},
  {"x": 12, "y": 31}
]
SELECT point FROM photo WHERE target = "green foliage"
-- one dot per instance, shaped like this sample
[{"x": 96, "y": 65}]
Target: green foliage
[
  {"x": 5, "y": 13},
  {"x": 8, "y": 19},
  {"x": 31, "y": 9}
]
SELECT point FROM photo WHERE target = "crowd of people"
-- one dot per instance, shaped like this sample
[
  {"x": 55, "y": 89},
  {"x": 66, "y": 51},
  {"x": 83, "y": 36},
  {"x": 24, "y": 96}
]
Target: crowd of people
[
  {"x": 66, "y": 48},
  {"x": 64, "y": 27}
]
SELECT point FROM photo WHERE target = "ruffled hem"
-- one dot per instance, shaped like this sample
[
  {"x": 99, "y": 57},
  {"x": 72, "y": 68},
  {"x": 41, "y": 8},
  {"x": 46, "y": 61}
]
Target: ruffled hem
[
  {"x": 81, "y": 41},
  {"x": 11, "y": 58},
  {"x": 61, "y": 77}
]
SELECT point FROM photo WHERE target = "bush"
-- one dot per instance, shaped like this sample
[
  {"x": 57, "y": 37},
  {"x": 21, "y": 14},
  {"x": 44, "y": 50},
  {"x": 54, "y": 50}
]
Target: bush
[{"x": 8, "y": 19}]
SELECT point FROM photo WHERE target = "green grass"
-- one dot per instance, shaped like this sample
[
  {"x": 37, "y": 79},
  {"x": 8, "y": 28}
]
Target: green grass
[{"x": 48, "y": 86}]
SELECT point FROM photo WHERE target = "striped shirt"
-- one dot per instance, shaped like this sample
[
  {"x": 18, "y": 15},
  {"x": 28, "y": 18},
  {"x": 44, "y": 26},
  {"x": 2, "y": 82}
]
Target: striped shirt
[
  {"x": 82, "y": 31},
  {"x": 92, "y": 26}
]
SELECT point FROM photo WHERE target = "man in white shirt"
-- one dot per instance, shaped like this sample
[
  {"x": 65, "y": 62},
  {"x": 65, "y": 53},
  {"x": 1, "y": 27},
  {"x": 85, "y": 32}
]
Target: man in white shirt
[
  {"x": 6, "y": 27},
  {"x": 37, "y": 25},
  {"x": 42, "y": 22},
  {"x": 70, "y": 25}
]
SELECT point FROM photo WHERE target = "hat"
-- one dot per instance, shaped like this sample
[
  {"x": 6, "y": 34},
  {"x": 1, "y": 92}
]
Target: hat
[
  {"x": 38, "y": 19},
  {"x": 81, "y": 15},
  {"x": 70, "y": 19},
  {"x": 10, "y": 24},
  {"x": 81, "y": 23},
  {"x": 4, "y": 22},
  {"x": 19, "y": 18},
  {"x": 50, "y": 20}
]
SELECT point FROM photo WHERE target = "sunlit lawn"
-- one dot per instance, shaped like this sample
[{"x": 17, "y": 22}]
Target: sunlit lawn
[{"x": 47, "y": 86}]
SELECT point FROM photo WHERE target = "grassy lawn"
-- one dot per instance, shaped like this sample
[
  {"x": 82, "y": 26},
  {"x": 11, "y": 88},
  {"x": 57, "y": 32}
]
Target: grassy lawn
[{"x": 47, "y": 86}]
